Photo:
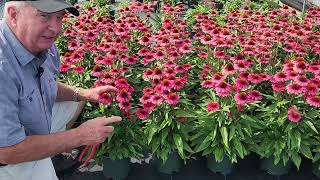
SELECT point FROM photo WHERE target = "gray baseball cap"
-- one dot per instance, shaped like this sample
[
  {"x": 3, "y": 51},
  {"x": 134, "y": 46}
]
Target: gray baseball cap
[{"x": 50, "y": 6}]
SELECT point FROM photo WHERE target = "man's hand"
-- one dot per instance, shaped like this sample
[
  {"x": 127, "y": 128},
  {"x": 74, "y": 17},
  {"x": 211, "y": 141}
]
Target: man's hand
[
  {"x": 95, "y": 130},
  {"x": 92, "y": 95}
]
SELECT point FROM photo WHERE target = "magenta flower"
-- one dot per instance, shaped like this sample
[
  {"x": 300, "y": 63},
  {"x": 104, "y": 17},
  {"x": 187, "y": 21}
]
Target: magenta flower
[
  {"x": 213, "y": 106},
  {"x": 294, "y": 115},
  {"x": 142, "y": 113},
  {"x": 241, "y": 98},
  {"x": 172, "y": 98},
  {"x": 314, "y": 101}
]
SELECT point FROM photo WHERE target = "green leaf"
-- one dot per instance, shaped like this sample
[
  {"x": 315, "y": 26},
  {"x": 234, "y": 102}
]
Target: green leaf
[
  {"x": 178, "y": 142},
  {"x": 296, "y": 159},
  {"x": 310, "y": 124},
  {"x": 305, "y": 150},
  {"x": 187, "y": 147},
  {"x": 164, "y": 123},
  {"x": 238, "y": 146},
  {"x": 316, "y": 157},
  {"x": 184, "y": 114},
  {"x": 218, "y": 154},
  {"x": 202, "y": 146},
  {"x": 232, "y": 132},
  {"x": 296, "y": 139},
  {"x": 224, "y": 135},
  {"x": 164, "y": 135},
  {"x": 152, "y": 131}
]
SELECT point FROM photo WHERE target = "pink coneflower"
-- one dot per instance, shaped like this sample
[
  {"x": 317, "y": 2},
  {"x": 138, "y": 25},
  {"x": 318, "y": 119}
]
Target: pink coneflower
[
  {"x": 125, "y": 105},
  {"x": 222, "y": 87},
  {"x": 149, "y": 106},
  {"x": 97, "y": 71},
  {"x": 279, "y": 86},
  {"x": 280, "y": 76},
  {"x": 157, "y": 73},
  {"x": 166, "y": 84},
  {"x": 112, "y": 53},
  {"x": 255, "y": 95},
  {"x": 172, "y": 98},
  {"x": 217, "y": 78},
  {"x": 203, "y": 55},
  {"x": 294, "y": 88},
  {"x": 241, "y": 98},
  {"x": 220, "y": 55},
  {"x": 178, "y": 83},
  {"x": 148, "y": 74},
  {"x": 99, "y": 59},
  {"x": 241, "y": 66},
  {"x": 228, "y": 69},
  {"x": 242, "y": 83},
  {"x": 143, "y": 52},
  {"x": 311, "y": 89},
  {"x": 145, "y": 98},
  {"x": 185, "y": 49},
  {"x": 294, "y": 115},
  {"x": 206, "y": 68},
  {"x": 156, "y": 99},
  {"x": 159, "y": 55},
  {"x": 122, "y": 84},
  {"x": 105, "y": 98},
  {"x": 300, "y": 67},
  {"x": 131, "y": 59},
  {"x": 64, "y": 67},
  {"x": 156, "y": 82},
  {"x": 207, "y": 84},
  {"x": 73, "y": 45},
  {"x": 301, "y": 80},
  {"x": 114, "y": 71},
  {"x": 314, "y": 101},
  {"x": 147, "y": 90},
  {"x": 78, "y": 69},
  {"x": 145, "y": 40},
  {"x": 170, "y": 64},
  {"x": 107, "y": 61},
  {"x": 213, "y": 106},
  {"x": 169, "y": 72},
  {"x": 123, "y": 96},
  {"x": 254, "y": 78},
  {"x": 142, "y": 113}
]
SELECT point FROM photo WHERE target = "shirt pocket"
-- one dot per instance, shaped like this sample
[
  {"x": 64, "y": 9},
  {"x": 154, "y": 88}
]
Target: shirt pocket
[{"x": 30, "y": 108}]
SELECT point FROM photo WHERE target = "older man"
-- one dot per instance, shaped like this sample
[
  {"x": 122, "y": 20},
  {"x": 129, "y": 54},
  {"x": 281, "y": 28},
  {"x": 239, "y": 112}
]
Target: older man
[{"x": 29, "y": 65}]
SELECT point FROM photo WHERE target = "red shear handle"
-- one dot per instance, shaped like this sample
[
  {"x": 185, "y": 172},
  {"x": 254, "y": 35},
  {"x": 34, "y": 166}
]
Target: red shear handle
[{"x": 91, "y": 155}]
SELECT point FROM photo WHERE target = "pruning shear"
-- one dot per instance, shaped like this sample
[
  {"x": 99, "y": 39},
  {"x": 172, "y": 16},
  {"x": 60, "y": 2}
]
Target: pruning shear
[{"x": 91, "y": 155}]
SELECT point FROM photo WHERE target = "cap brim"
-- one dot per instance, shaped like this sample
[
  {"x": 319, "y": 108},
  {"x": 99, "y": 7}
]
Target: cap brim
[{"x": 54, "y": 6}]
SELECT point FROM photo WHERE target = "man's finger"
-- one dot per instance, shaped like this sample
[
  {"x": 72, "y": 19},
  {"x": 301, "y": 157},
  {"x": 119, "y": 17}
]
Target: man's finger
[
  {"x": 108, "y": 88},
  {"x": 108, "y": 129},
  {"x": 104, "y": 121}
]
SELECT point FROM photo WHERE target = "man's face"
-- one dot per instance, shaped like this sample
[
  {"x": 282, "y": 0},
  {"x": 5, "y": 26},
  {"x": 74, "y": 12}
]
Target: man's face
[{"x": 38, "y": 30}]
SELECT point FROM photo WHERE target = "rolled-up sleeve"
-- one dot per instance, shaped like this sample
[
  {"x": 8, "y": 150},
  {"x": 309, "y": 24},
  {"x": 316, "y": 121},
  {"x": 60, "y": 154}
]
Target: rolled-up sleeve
[{"x": 11, "y": 130}]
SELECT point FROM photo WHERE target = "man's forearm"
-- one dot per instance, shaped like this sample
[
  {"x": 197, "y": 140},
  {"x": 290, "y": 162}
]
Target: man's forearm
[
  {"x": 66, "y": 92},
  {"x": 40, "y": 146}
]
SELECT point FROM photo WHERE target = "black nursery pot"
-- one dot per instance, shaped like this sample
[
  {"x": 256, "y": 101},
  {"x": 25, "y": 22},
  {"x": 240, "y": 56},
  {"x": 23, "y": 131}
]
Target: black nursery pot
[
  {"x": 116, "y": 169},
  {"x": 224, "y": 167},
  {"x": 172, "y": 165},
  {"x": 279, "y": 169}
]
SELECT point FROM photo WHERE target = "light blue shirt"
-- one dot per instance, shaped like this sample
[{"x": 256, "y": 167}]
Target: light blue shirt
[{"x": 26, "y": 99}]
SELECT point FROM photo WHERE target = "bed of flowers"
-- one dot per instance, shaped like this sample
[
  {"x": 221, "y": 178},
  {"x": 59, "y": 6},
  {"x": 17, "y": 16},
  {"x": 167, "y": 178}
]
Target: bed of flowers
[{"x": 222, "y": 85}]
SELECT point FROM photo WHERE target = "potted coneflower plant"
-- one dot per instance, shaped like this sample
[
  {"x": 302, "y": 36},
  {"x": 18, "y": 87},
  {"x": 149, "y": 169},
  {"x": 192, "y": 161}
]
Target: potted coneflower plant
[
  {"x": 289, "y": 116},
  {"x": 225, "y": 119},
  {"x": 127, "y": 140},
  {"x": 166, "y": 114}
]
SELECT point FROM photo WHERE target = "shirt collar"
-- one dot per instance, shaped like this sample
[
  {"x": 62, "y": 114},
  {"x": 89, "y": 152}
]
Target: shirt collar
[{"x": 21, "y": 53}]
